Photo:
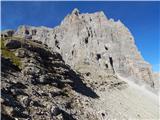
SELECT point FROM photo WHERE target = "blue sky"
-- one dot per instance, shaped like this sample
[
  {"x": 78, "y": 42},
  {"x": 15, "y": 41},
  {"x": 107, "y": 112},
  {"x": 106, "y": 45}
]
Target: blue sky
[{"x": 142, "y": 19}]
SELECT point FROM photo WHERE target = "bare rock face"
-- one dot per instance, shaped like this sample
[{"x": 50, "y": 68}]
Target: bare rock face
[
  {"x": 13, "y": 44},
  {"x": 7, "y": 33},
  {"x": 42, "y": 86},
  {"x": 93, "y": 43}
]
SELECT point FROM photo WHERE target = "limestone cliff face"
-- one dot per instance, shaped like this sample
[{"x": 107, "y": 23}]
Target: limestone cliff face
[{"x": 94, "y": 43}]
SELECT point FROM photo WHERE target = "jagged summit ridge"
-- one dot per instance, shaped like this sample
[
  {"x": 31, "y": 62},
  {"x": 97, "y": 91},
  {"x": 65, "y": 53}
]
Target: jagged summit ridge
[
  {"x": 92, "y": 42},
  {"x": 75, "y": 11},
  {"x": 87, "y": 17}
]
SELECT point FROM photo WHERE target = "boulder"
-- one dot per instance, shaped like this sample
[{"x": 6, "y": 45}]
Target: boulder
[
  {"x": 7, "y": 33},
  {"x": 21, "y": 53},
  {"x": 55, "y": 111},
  {"x": 13, "y": 44},
  {"x": 44, "y": 79},
  {"x": 31, "y": 70}
]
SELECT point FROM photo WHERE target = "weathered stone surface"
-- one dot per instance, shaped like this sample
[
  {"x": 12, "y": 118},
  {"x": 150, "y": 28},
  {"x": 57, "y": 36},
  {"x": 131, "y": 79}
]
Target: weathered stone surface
[
  {"x": 55, "y": 111},
  {"x": 43, "y": 86},
  {"x": 12, "y": 44},
  {"x": 93, "y": 40},
  {"x": 21, "y": 53},
  {"x": 7, "y": 33}
]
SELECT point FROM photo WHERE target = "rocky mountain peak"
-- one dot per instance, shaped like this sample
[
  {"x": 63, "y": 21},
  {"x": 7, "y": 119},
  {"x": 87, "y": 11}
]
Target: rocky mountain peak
[
  {"x": 92, "y": 41},
  {"x": 75, "y": 11},
  {"x": 87, "y": 68},
  {"x": 85, "y": 18}
]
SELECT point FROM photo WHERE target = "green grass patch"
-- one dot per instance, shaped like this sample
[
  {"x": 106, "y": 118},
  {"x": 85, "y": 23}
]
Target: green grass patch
[{"x": 6, "y": 53}]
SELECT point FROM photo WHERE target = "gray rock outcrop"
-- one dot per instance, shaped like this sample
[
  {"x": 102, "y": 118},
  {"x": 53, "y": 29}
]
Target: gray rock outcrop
[
  {"x": 93, "y": 42},
  {"x": 7, "y": 33},
  {"x": 41, "y": 87}
]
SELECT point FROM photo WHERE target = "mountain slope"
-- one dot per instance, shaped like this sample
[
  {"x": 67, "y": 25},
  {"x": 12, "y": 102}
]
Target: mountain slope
[
  {"x": 41, "y": 86},
  {"x": 87, "y": 68},
  {"x": 93, "y": 40}
]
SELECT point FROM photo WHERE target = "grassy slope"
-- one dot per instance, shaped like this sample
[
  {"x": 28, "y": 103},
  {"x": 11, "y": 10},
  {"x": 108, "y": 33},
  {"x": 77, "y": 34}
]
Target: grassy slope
[{"x": 6, "y": 53}]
